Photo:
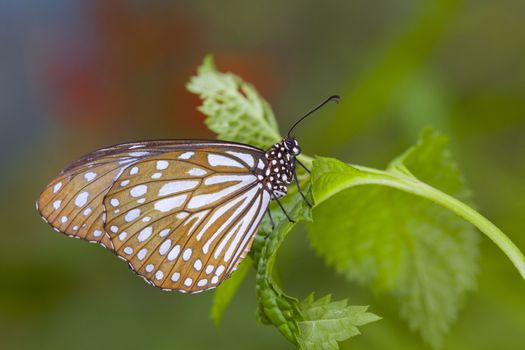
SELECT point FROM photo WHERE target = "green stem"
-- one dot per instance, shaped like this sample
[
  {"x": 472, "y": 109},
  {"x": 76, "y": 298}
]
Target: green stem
[{"x": 414, "y": 186}]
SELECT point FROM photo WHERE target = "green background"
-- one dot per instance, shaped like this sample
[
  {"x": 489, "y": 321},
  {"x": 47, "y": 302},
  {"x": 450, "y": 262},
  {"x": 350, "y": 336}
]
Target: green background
[{"x": 77, "y": 75}]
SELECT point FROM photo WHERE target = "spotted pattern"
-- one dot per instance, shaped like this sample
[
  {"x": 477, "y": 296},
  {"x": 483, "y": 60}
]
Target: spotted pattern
[
  {"x": 183, "y": 215},
  {"x": 201, "y": 216},
  {"x": 280, "y": 171}
]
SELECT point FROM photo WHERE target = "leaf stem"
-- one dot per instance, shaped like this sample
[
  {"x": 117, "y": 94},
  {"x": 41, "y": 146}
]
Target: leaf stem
[{"x": 412, "y": 185}]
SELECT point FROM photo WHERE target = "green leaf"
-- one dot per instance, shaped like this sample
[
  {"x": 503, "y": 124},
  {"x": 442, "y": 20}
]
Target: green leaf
[
  {"x": 227, "y": 289},
  {"x": 234, "y": 109},
  {"x": 394, "y": 242},
  {"x": 326, "y": 323}
]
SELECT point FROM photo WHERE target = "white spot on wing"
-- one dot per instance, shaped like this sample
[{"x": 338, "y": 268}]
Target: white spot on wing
[
  {"x": 164, "y": 247},
  {"x": 196, "y": 172},
  {"x": 177, "y": 186},
  {"x": 218, "y": 160},
  {"x": 142, "y": 253},
  {"x": 220, "y": 270},
  {"x": 175, "y": 277},
  {"x": 90, "y": 176},
  {"x": 245, "y": 157},
  {"x": 219, "y": 179},
  {"x": 187, "y": 254},
  {"x": 145, "y": 233},
  {"x": 56, "y": 204},
  {"x": 81, "y": 199},
  {"x": 162, "y": 164},
  {"x": 174, "y": 253},
  {"x": 182, "y": 215},
  {"x": 159, "y": 275},
  {"x": 202, "y": 282},
  {"x": 134, "y": 170},
  {"x": 164, "y": 232},
  {"x": 186, "y": 155},
  {"x": 188, "y": 281},
  {"x": 57, "y": 187},
  {"x": 131, "y": 215},
  {"x": 170, "y": 203},
  {"x": 138, "y": 154},
  {"x": 138, "y": 191}
]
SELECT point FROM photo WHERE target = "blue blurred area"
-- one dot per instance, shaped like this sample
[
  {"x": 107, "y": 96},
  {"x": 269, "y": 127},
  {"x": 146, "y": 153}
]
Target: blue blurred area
[
  {"x": 77, "y": 75},
  {"x": 31, "y": 32}
]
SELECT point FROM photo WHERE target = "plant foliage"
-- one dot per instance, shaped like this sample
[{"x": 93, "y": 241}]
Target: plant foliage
[{"x": 404, "y": 235}]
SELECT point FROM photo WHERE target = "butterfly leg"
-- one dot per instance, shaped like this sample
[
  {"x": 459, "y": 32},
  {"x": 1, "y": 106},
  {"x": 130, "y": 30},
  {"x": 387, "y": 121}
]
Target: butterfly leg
[
  {"x": 301, "y": 164},
  {"x": 282, "y": 208},
  {"x": 271, "y": 219},
  {"x": 298, "y": 186}
]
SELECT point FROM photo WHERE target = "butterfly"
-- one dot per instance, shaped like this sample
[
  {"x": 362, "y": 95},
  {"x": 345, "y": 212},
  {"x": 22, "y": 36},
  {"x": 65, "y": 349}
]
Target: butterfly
[{"x": 182, "y": 213}]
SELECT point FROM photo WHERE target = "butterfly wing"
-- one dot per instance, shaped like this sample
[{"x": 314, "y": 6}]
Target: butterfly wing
[
  {"x": 72, "y": 202},
  {"x": 183, "y": 220},
  {"x": 182, "y": 213}
]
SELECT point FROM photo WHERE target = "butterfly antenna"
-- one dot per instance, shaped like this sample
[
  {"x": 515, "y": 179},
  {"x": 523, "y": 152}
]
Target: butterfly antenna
[{"x": 334, "y": 98}]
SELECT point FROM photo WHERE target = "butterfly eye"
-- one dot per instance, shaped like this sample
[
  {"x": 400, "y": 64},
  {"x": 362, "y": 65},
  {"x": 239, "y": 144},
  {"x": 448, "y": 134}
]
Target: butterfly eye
[
  {"x": 292, "y": 146},
  {"x": 289, "y": 143}
]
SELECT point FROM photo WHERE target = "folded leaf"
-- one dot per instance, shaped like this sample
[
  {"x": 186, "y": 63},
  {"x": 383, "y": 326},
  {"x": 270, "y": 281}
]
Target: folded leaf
[{"x": 234, "y": 109}]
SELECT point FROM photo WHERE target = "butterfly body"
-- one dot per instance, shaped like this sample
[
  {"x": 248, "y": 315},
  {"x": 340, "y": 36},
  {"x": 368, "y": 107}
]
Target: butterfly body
[
  {"x": 281, "y": 166},
  {"x": 183, "y": 214}
]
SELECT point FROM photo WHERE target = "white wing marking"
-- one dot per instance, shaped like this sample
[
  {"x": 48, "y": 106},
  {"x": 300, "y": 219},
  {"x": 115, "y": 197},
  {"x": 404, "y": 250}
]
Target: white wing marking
[
  {"x": 245, "y": 157},
  {"x": 218, "y": 160}
]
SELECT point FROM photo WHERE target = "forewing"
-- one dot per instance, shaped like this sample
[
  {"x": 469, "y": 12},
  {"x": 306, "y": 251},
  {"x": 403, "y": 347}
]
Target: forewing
[
  {"x": 184, "y": 220},
  {"x": 72, "y": 202}
]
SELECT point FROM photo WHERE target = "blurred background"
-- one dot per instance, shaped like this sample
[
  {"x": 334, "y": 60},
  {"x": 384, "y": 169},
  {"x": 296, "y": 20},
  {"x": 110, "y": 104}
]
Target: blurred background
[{"x": 78, "y": 75}]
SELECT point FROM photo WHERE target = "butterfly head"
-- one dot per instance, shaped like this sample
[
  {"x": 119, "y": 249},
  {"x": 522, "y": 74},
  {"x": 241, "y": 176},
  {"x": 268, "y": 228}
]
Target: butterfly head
[{"x": 291, "y": 145}]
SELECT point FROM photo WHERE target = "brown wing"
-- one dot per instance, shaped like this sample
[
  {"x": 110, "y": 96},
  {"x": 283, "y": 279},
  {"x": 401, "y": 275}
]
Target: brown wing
[
  {"x": 72, "y": 202},
  {"x": 184, "y": 220}
]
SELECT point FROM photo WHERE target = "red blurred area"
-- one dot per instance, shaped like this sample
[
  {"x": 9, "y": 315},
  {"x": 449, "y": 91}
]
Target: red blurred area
[{"x": 134, "y": 66}]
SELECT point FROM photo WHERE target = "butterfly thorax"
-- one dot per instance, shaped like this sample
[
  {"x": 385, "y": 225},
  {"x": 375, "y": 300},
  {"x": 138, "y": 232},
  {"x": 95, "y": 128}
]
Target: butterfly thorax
[{"x": 281, "y": 162}]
